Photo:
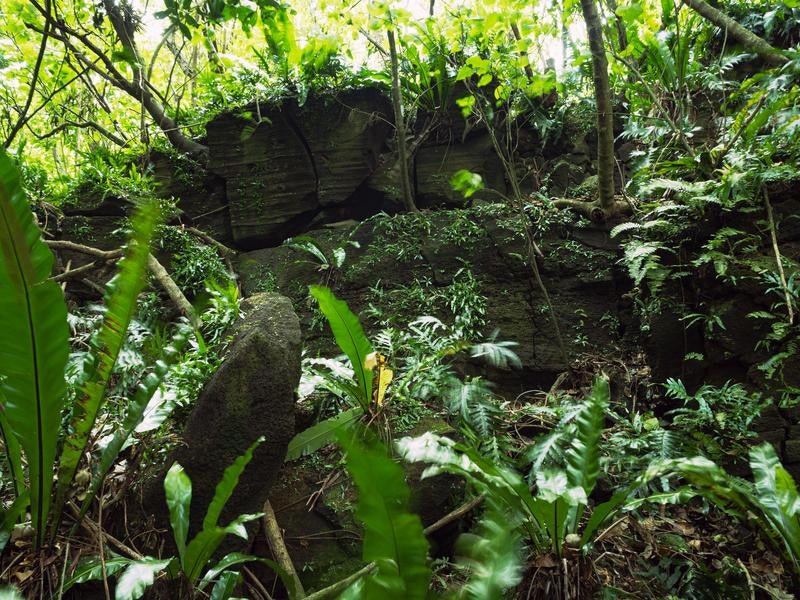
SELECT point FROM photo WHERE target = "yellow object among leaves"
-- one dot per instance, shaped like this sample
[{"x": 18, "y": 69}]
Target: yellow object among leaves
[{"x": 376, "y": 360}]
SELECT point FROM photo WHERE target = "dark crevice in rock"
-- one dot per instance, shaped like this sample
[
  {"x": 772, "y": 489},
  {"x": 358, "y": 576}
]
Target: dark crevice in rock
[{"x": 299, "y": 133}]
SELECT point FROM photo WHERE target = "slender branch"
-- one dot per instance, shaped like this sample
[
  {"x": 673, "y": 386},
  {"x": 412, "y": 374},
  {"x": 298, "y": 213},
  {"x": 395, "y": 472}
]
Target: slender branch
[
  {"x": 373, "y": 41},
  {"x": 91, "y": 251},
  {"x": 340, "y": 586},
  {"x": 157, "y": 270},
  {"x": 454, "y": 515},
  {"x": 139, "y": 87},
  {"x": 23, "y": 117},
  {"x": 397, "y": 105},
  {"x": 166, "y": 282},
  {"x": 94, "y": 530},
  {"x": 223, "y": 250},
  {"x": 76, "y": 272},
  {"x": 272, "y": 532},
  {"x": 778, "y": 259},
  {"x": 48, "y": 98},
  {"x": 85, "y": 125},
  {"x": 744, "y": 36},
  {"x": 522, "y": 53}
]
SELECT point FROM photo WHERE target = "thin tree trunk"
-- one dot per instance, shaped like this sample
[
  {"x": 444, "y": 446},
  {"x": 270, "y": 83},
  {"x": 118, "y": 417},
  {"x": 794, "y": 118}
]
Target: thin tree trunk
[
  {"x": 140, "y": 87},
  {"x": 622, "y": 35},
  {"x": 402, "y": 151},
  {"x": 23, "y": 115},
  {"x": 522, "y": 53},
  {"x": 605, "y": 117},
  {"x": 744, "y": 36}
]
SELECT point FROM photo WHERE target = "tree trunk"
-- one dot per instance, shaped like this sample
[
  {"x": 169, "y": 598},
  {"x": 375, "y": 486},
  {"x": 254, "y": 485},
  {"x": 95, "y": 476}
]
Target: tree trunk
[
  {"x": 622, "y": 34},
  {"x": 402, "y": 150},
  {"x": 602, "y": 95},
  {"x": 744, "y": 36},
  {"x": 522, "y": 53}
]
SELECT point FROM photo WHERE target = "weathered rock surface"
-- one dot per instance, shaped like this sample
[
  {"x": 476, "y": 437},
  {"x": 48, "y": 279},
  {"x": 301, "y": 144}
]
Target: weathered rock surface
[
  {"x": 434, "y": 166},
  {"x": 405, "y": 253},
  {"x": 251, "y": 395},
  {"x": 201, "y": 195},
  {"x": 281, "y": 170}
]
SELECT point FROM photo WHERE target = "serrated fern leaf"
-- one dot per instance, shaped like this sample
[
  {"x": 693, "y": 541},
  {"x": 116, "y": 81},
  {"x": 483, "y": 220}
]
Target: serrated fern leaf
[
  {"x": 120, "y": 301},
  {"x": 583, "y": 457}
]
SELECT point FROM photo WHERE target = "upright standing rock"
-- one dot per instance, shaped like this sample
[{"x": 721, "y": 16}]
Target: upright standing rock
[{"x": 252, "y": 395}]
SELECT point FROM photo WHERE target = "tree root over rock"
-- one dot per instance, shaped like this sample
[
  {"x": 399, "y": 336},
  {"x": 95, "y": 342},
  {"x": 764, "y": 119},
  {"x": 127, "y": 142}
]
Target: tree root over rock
[{"x": 594, "y": 211}]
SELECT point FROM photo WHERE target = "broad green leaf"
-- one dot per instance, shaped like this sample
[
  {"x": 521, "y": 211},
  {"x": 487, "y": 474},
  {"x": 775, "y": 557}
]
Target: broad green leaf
[
  {"x": 226, "y": 585},
  {"x": 349, "y": 336},
  {"x": 178, "y": 490},
  {"x": 601, "y": 514},
  {"x": 91, "y": 569},
  {"x": 393, "y": 536},
  {"x": 139, "y": 576},
  {"x": 120, "y": 302},
  {"x": 225, "y": 563},
  {"x": 226, "y": 486},
  {"x": 202, "y": 547},
  {"x": 309, "y": 245},
  {"x": 777, "y": 496},
  {"x": 323, "y": 433},
  {"x": 34, "y": 341}
]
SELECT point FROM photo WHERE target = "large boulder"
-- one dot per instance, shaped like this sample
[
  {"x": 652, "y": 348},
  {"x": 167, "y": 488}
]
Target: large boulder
[
  {"x": 285, "y": 164},
  {"x": 251, "y": 395}
]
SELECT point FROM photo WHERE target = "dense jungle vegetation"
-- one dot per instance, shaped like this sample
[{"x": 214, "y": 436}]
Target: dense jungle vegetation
[{"x": 410, "y": 299}]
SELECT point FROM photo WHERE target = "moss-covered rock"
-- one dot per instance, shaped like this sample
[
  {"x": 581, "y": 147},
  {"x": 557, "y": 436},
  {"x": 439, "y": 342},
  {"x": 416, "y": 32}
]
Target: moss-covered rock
[
  {"x": 410, "y": 265},
  {"x": 251, "y": 395}
]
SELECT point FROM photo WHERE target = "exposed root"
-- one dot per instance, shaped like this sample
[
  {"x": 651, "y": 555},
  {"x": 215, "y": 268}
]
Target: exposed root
[{"x": 593, "y": 210}]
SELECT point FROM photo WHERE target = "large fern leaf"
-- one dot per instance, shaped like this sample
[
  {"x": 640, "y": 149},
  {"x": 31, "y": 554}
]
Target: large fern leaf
[
  {"x": 349, "y": 337},
  {"x": 393, "y": 536},
  {"x": 583, "y": 457},
  {"x": 493, "y": 554},
  {"x": 777, "y": 495},
  {"x": 34, "y": 341},
  {"x": 134, "y": 414},
  {"x": 120, "y": 301}
]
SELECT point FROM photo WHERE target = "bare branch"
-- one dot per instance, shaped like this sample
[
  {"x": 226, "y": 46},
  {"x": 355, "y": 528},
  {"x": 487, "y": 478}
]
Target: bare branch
[{"x": 23, "y": 117}]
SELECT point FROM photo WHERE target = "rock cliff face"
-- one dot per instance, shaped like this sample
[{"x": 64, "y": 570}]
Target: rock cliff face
[
  {"x": 401, "y": 259},
  {"x": 286, "y": 168},
  {"x": 283, "y": 166},
  {"x": 398, "y": 257},
  {"x": 277, "y": 170}
]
